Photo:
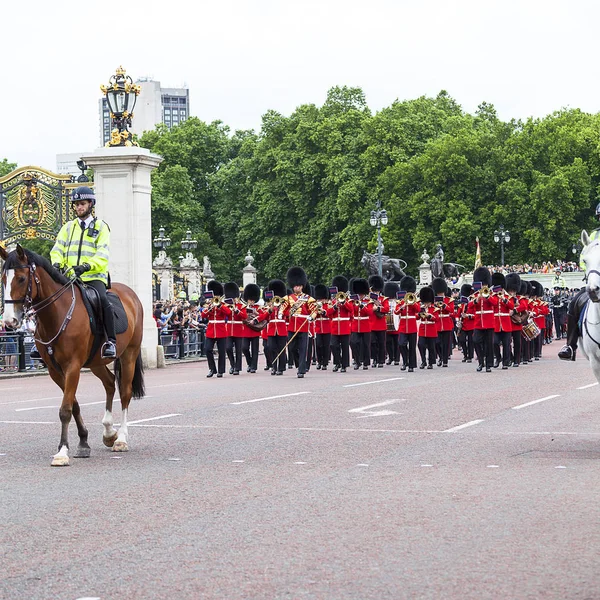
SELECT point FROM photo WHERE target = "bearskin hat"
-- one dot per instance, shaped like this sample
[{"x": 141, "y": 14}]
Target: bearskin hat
[
  {"x": 513, "y": 282},
  {"x": 426, "y": 294},
  {"x": 499, "y": 279},
  {"x": 376, "y": 283},
  {"x": 277, "y": 287},
  {"x": 536, "y": 288},
  {"x": 390, "y": 288},
  {"x": 524, "y": 288},
  {"x": 309, "y": 289},
  {"x": 408, "y": 284},
  {"x": 215, "y": 287},
  {"x": 351, "y": 284},
  {"x": 296, "y": 276},
  {"x": 340, "y": 282},
  {"x": 252, "y": 292},
  {"x": 466, "y": 290},
  {"x": 439, "y": 285},
  {"x": 483, "y": 274},
  {"x": 361, "y": 286},
  {"x": 232, "y": 290},
  {"x": 321, "y": 292}
]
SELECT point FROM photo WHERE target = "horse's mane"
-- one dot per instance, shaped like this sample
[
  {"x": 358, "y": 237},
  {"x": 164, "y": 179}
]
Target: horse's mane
[{"x": 13, "y": 262}]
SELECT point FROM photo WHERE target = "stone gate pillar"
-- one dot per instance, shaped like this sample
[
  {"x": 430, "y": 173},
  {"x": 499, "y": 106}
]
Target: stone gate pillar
[{"x": 122, "y": 187}]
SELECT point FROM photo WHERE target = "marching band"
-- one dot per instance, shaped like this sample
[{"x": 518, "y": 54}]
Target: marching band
[{"x": 499, "y": 320}]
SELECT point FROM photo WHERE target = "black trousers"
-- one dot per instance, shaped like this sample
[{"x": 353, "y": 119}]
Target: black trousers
[
  {"x": 361, "y": 347},
  {"x": 340, "y": 346},
  {"x": 407, "y": 344},
  {"x": 235, "y": 359},
  {"x": 445, "y": 339},
  {"x": 250, "y": 351},
  {"x": 517, "y": 339},
  {"x": 267, "y": 352},
  {"x": 298, "y": 348},
  {"x": 107, "y": 312},
  {"x": 275, "y": 345},
  {"x": 465, "y": 339},
  {"x": 323, "y": 343},
  {"x": 502, "y": 338},
  {"x": 392, "y": 347},
  {"x": 427, "y": 344},
  {"x": 209, "y": 344},
  {"x": 484, "y": 339},
  {"x": 537, "y": 344},
  {"x": 378, "y": 346}
]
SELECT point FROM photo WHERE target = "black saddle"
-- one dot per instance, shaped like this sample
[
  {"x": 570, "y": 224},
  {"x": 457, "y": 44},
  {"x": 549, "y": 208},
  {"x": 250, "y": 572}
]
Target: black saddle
[{"x": 91, "y": 300}]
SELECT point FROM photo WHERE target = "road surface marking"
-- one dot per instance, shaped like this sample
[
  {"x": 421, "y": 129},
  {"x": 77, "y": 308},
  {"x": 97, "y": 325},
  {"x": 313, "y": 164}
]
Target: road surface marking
[
  {"x": 560, "y": 467},
  {"x": 535, "y": 401},
  {"x": 299, "y": 463},
  {"x": 464, "y": 426},
  {"x": 427, "y": 465},
  {"x": 493, "y": 466},
  {"x": 174, "y": 459},
  {"x": 154, "y": 418},
  {"x": 270, "y": 398},
  {"x": 589, "y": 385},
  {"x": 29, "y": 422},
  {"x": 34, "y": 400},
  {"x": 370, "y": 382},
  {"x": 362, "y": 465},
  {"x": 366, "y": 411},
  {"x": 238, "y": 461}
]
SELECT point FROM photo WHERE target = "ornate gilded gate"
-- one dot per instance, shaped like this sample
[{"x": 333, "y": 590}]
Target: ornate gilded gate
[{"x": 34, "y": 203}]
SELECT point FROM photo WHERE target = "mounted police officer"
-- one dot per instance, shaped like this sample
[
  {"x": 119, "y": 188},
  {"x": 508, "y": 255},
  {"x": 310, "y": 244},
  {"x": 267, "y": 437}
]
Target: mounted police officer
[
  {"x": 83, "y": 245},
  {"x": 569, "y": 351}
]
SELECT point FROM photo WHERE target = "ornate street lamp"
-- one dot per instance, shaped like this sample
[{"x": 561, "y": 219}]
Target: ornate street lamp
[
  {"x": 378, "y": 218},
  {"x": 83, "y": 178},
  {"x": 121, "y": 95},
  {"x": 188, "y": 244},
  {"x": 161, "y": 241},
  {"x": 500, "y": 235}
]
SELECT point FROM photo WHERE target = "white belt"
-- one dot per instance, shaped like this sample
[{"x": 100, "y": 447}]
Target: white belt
[
  {"x": 485, "y": 312},
  {"x": 361, "y": 318},
  {"x": 504, "y": 314},
  {"x": 409, "y": 317},
  {"x": 277, "y": 321},
  {"x": 209, "y": 322},
  {"x": 341, "y": 319},
  {"x": 300, "y": 317}
]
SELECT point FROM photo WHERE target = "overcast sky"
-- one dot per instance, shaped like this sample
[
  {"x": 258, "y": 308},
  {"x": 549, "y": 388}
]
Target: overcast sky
[{"x": 241, "y": 58}]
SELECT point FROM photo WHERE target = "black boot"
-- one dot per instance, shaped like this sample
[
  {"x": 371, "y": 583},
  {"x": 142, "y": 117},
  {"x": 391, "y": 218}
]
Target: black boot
[
  {"x": 569, "y": 351},
  {"x": 109, "y": 349}
]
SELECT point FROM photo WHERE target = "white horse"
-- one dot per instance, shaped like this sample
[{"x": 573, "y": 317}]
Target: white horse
[{"x": 589, "y": 338}]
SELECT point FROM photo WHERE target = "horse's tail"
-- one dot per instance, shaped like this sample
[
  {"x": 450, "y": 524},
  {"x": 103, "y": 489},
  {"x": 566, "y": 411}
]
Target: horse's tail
[{"x": 138, "y": 389}]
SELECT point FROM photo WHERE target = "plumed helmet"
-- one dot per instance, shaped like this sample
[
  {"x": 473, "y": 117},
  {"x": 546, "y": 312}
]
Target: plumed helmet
[
  {"x": 277, "y": 287},
  {"x": 340, "y": 282},
  {"x": 466, "y": 290},
  {"x": 321, "y": 292},
  {"x": 83, "y": 192},
  {"x": 390, "y": 288},
  {"x": 483, "y": 275},
  {"x": 252, "y": 292},
  {"x": 513, "y": 282},
  {"x": 439, "y": 285},
  {"x": 426, "y": 294},
  {"x": 215, "y": 287},
  {"x": 499, "y": 279},
  {"x": 376, "y": 283},
  {"x": 361, "y": 286},
  {"x": 524, "y": 288},
  {"x": 232, "y": 290},
  {"x": 408, "y": 284},
  {"x": 296, "y": 276}
]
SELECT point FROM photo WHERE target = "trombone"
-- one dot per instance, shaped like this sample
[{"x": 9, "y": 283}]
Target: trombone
[{"x": 410, "y": 298}]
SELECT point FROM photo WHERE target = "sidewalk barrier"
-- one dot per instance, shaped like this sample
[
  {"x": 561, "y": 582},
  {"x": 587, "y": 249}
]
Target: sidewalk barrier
[{"x": 180, "y": 344}]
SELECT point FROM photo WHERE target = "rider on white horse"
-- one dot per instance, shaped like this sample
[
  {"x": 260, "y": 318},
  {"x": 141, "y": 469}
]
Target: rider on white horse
[{"x": 569, "y": 351}]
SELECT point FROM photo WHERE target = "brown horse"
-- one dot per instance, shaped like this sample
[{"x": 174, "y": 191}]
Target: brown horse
[{"x": 64, "y": 339}]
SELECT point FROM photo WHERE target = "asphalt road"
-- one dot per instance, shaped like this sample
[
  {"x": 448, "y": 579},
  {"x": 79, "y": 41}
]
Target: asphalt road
[{"x": 370, "y": 484}]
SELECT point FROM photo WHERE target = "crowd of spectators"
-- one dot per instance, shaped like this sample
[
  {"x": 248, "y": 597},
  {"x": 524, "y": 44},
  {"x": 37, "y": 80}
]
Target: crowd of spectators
[
  {"x": 549, "y": 267},
  {"x": 178, "y": 322}
]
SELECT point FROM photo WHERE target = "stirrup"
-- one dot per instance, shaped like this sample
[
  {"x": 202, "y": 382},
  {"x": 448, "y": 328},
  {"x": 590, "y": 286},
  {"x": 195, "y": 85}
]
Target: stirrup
[{"x": 109, "y": 350}]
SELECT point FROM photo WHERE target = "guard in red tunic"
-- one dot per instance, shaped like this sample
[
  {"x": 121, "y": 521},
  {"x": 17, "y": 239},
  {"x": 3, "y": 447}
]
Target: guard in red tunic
[
  {"x": 408, "y": 309},
  {"x": 322, "y": 325},
  {"x": 235, "y": 327},
  {"x": 300, "y": 308},
  {"x": 540, "y": 310},
  {"x": 428, "y": 327},
  {"x": 277, "y": 325},
  {"x": 217, "y": 313},
  {"x": 446, "y": 316},
  {"x": 381, "y": 308},
  {"x": 526, "y": 346},
  {"x": 465, "y": 324},
  {"x": 483, "y": 306},
  {"x": 390, "y": 290},
  {"x": 517, "y": 314},
  {"x": 341, "y": 327},
  {"x": 250, "y": 335},
  {"x": 361, "y": 324},
  {"x": 502, "y": 321}
]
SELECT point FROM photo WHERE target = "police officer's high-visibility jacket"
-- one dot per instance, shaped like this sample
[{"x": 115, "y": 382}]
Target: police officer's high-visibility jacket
[
  {"x": 75, "y": 246},
  {"x": 594, "y": 235}
]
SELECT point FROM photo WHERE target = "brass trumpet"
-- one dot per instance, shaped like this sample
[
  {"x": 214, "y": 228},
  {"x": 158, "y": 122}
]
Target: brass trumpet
[
  {"x": 276, "y": 301},
  {"x": 410, "y": 298},
  {"x": 214, "y": 302},
  {"x": 342, "y": 297},
  {"x": 485, "y": 292}
]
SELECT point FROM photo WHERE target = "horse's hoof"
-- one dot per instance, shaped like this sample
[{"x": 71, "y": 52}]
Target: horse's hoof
[
  {"x": 120, "y": 447},
  {"x": 60, "y": 461},
  {"x": 83, "y": 453},
  {"x": 109, "y": 441}
]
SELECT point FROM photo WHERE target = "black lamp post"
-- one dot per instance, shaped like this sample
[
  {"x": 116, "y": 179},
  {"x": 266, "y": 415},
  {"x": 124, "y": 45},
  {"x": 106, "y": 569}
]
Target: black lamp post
[
  {"x": 121, "y": 95},
  {"x": 502, "y": 236},
  {"x": 378, "y": 218},
  {"x": 161, "y": 241},
  {"x": 188, "y": 244},
  {"x": 83, "y": 178}
]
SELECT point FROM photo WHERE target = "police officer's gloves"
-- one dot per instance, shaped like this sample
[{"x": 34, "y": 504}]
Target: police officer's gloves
[
  {"x": 79, "y": 270},
  {"x": 57, "y": 267}
]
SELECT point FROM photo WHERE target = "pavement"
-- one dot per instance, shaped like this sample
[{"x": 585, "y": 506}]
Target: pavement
[{"x": 369, "y": 484}]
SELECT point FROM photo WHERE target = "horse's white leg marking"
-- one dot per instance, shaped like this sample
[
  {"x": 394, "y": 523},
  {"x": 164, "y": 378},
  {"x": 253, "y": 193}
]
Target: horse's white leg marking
[
  {"x": 121, "y": 443},
  {"x": 108, "y": 422},
  {"x": 61, "y": 458}
]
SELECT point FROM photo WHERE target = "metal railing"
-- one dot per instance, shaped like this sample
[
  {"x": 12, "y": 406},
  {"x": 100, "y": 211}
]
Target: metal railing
[{"x": 182, "y": 343}]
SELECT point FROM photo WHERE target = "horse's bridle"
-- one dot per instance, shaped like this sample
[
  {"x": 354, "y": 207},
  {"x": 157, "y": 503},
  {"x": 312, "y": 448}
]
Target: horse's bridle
[{"x": 27, "y": 300}]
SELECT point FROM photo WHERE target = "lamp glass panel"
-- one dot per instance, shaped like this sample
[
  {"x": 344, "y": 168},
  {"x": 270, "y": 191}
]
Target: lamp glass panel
[
  {"x": 373, "y": 221},
  {"x": 496, "y": 237},
  {"x": 120, "y": 102},
  {"x": 507, "y": 237}
]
